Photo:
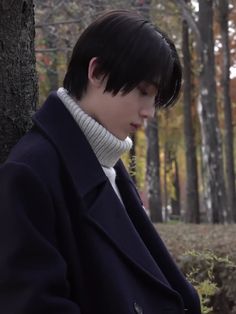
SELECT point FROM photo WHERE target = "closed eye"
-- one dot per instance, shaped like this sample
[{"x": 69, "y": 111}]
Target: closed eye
[{"x": 142, "y": 91}]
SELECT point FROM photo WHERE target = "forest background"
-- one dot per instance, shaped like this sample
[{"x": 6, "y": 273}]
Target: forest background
[{"x": 183, "y": 161}]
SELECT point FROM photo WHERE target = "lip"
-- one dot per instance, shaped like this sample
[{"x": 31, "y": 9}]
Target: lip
[{"x": 135, "y": 126}]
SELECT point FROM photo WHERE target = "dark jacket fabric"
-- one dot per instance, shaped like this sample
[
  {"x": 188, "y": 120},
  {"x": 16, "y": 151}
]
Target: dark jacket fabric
[{"x": 67, "y": 244}]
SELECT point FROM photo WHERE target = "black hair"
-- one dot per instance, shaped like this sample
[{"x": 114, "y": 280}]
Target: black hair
[{"x": 129, "y": 50}]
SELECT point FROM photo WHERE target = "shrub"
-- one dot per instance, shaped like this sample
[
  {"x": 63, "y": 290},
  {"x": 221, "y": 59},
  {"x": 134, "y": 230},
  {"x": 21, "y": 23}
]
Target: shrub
[{"x": 207, "y": 255}]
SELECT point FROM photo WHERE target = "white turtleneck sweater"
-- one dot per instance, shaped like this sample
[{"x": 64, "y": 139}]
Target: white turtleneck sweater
[{"x": 105, "y": 145}]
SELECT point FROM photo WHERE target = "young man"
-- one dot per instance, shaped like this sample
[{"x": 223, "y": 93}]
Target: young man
[{"x": 74, "y": 236}]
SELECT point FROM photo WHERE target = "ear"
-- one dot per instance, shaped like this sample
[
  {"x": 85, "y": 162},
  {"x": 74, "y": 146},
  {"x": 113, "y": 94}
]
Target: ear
[{"x": 93, "y": 77}]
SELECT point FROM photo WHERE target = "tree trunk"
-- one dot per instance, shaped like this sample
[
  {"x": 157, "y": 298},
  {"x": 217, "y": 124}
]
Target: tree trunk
[
  {"x": 229, "y": 143},
  {"x": 165, "y": 183},
  {"x": 18, "y": 79},
  {"x": 175, "y": 202},
  {"x": 153, "y": 171},
  {"x": 192, "y": 200},
  {"x": 214, "y": 188}
]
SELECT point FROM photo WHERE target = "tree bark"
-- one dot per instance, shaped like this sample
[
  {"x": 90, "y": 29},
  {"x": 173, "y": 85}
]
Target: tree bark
[
  {"x": 229, "y": 142},
  {"x": 153, "y": 171},
  {"x": 212, "y": 159},
  {"x": 214, "y": 188},
  {"x": 18, "y": 79},
  {"x": 192, "y": 200}
]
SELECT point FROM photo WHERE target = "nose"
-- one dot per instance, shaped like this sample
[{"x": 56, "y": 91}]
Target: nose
[{"x": 147, "y": 112}]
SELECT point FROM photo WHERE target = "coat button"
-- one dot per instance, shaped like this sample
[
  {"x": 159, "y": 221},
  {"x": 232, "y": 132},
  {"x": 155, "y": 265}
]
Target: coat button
[{"x": 137, "y": 308}]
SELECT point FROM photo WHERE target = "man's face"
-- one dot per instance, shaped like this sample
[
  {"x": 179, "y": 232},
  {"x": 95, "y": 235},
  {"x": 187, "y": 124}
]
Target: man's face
[{"x": 122, "y": 114}]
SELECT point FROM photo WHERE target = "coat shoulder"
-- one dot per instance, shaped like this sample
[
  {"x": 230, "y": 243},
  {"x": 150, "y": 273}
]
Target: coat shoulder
[{"x": 38, "y": 153}]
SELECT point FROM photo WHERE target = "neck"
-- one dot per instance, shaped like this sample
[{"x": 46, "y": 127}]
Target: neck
[{"x": 107, "y": 148}]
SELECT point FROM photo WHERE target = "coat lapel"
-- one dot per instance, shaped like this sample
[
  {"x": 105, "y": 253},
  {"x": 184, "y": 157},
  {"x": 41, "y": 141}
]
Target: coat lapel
[
  {"x": 149, "y": 235},
  {"x": 115, "y": 223},
  {"x": 106, "y": 212}
]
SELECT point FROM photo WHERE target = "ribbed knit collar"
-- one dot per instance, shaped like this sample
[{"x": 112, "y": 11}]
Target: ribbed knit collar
[{"x": 105, "y": 145}]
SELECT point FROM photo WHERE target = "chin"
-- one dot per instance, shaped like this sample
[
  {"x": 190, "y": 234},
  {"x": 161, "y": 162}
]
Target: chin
[{"x": 121, "y": 137}]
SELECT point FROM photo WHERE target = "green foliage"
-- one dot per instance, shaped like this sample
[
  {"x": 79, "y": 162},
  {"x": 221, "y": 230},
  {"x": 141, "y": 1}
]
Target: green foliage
[
  {"x": 204, "y": 253},
  {"x": 207, "y": 287}
]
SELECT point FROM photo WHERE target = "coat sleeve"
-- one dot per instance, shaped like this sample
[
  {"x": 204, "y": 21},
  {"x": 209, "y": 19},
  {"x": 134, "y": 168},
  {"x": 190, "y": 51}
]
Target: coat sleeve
[{"x": 33, "y": 274}]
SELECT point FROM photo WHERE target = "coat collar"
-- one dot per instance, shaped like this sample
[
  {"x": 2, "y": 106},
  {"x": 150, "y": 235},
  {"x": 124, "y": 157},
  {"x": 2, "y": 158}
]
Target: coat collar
[{"x": 57, "y": 124}]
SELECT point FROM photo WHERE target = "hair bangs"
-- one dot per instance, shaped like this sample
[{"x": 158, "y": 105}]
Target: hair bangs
[
  {"x": 129, "y": 50},
  {"x": 139, "y": 60},
  {"x": 152, "y": 58}
]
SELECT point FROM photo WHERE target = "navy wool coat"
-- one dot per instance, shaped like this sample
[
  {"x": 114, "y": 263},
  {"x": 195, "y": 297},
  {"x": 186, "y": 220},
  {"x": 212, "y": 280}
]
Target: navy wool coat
[{"x": 67, "y": 244}]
